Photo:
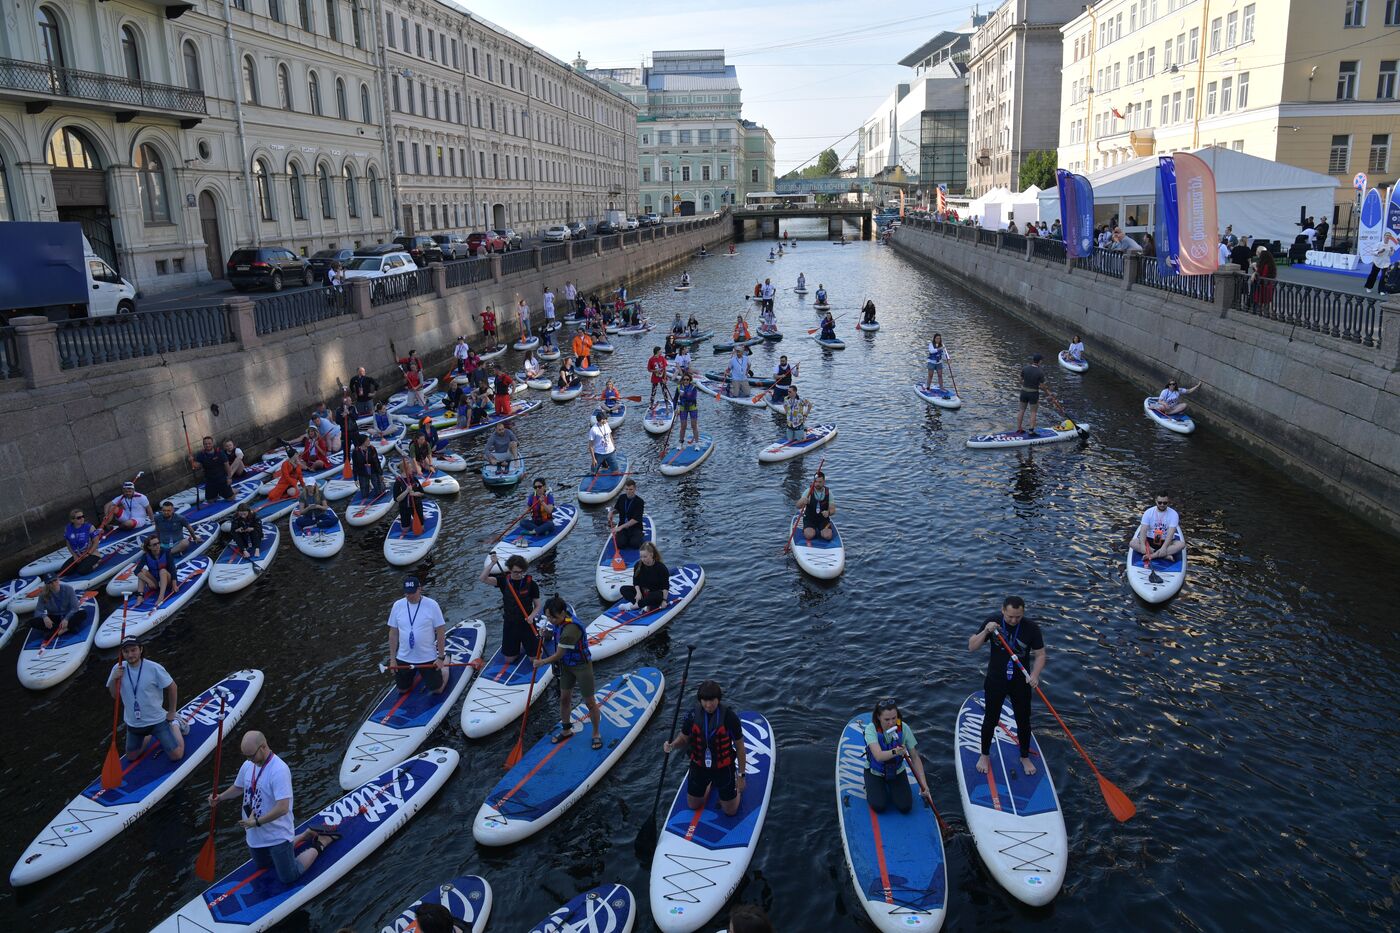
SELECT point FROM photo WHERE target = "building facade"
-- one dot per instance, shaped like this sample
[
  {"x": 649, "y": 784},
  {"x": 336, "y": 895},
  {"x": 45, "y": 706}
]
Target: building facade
[
  {"x": 1014, "y": 90},
  {"x": 1311, "y": 84}
]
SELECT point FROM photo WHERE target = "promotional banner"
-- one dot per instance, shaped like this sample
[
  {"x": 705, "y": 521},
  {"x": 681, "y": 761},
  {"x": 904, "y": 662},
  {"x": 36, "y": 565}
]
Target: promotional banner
[
  {"x": 1197, "y": 226},
  {"x": 1076, "y": 213},
  {"x": 942, "y": 199},
  {"x": 1165, "y": 231},
  {"x": 1392, "y": 222},
  {"x": 1369, "y": 240}
]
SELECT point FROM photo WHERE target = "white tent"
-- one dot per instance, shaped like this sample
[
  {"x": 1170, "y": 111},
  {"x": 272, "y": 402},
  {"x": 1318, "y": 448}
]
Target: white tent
[
  {"x": 1001, "y": 205},
  {"x": 1256, "y": 196}
]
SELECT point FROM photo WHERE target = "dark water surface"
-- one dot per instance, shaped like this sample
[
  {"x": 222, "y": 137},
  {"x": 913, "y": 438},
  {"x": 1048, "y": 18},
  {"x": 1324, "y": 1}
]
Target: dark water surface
[{"x": 1251, "y": 719}]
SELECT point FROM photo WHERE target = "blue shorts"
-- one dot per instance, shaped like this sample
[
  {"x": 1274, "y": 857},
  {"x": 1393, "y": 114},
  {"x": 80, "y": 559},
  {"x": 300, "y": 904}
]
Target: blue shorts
[
  {"x": 163, "y": 731},
  {"x": 934, "y": 367},
  {"x": 280, "y": 858}
]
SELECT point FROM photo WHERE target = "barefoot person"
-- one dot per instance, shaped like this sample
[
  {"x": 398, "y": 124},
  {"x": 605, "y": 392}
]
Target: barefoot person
[
  {"x": 715, "y": 738},
  {"x": 937, "y": 356},
  {"x": 1169, "y": 400},
  {"x": 817, "y": 509},
  {"x": 149, "y": 701},
  {"x": 569, "y": 643},
  {"x": 1031, "y": 378},
  {"x": 1155, "y": 538},
  {"x": 651, "y": 580},
  {"x": 1004, "y": 678},
  {"x": 417, "y": 640},
  {"x": 890, "y": 749},
  {"x": 688, "y": 407},
  {"x": 501, "y": 447}
]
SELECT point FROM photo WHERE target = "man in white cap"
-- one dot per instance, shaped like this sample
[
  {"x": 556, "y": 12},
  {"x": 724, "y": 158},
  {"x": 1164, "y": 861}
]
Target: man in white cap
[{"x": 417, "y": 640}]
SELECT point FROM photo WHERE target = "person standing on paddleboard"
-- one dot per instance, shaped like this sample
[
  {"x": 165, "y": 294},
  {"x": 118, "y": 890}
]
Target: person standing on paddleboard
[
  {"x": 651, "y": 580},
  {"x": 890, "y": 748},
  {"x": 657, "y": 367},
  {"x": 783, "y": 374},
  {"x": 688, "y": 406},
  {"x": 1004, "y": 678},
  {"x": 767, "y": 294},
  {"x": 488, "y": 327},
  {"x": 625, "y": 517},
  {"x": 129, "y": 510},
  {"x": 408, "y": 493},
  {"x": 518, "y": 635},
  {"x": 601, "y": 448},
  {"x": 569, "y": 643},
  {"x": 1156, "y": 535},
  {"x": 150, "y": 698},
  {"x": 718, "y": 759},
  {"x": 937, "y": 356},
  {"x": 738, "y": 373},
  {"x": 1031, "y": 378},
  {"x": 57, "y": 607},
  {"x": 367, "y": 467},
  {"x": 795, "y": 412},
  {"x": 215, "y": 464},
  {"x": 817, "y": 509},
  {"x": 265, "y": 784},
  {"x": 362, "y": 389},
  {"x": 83, "y": 540},
  {"x": 417, "y": 640}
]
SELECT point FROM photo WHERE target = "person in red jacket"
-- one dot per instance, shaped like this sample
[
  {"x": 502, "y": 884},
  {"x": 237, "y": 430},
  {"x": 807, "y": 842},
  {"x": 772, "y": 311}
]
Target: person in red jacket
[
  {"x": 315, "y": 452},
  {"x": 503, "y": 384},
  {"x": 488, "y": 327}
]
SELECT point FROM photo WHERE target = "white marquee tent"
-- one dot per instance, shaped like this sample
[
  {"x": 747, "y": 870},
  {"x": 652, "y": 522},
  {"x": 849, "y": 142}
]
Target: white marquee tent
[{"x": 999, "y": 206}]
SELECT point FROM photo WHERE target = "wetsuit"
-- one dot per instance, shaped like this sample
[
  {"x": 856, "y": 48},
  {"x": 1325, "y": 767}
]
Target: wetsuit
[{"x": 1004, "y": 679}]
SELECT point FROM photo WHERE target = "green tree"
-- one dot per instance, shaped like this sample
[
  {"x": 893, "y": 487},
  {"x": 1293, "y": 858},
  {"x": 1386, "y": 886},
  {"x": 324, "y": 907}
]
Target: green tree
[
  {"x": 1038, "y": 168},
  {"x": 827, "y": 164}
]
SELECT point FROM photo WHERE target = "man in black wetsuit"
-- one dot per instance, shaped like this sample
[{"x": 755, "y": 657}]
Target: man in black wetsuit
[
  {"x": 1004, "y": 677},
  {"x": 1031, "y": 378}
]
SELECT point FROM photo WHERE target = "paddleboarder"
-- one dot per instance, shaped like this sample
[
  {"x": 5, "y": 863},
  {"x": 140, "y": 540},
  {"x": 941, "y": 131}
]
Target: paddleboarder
[
  {"x": 502, "y": 386},
  {"x": 1156, "y": 535},
  {"x": 82, "y": 540},
  {"x": 488, "y": 327},
  {"x": 149, "y": 698},
  {"x": 57, "y": 607},
  {"x": 362, "y": 389},
  {"x": 681, "y": 363},
  {"x": 1004, "y": 678},
  {"x": 290, "y": 478},
  {"x": 368, "y": 468},
  {"x": 601, "y": 448},
  {"x": 574, "y": 664},
  {"x": 1031, "y": 378},
  {"x": 522, "y": 314},
  {"x": 312, "y": 510},
  {"x": 539, "y": 510},
  {"x": 783, "y": 374},
  {"x": 817, "y": 508},
  {"x": 738, "y": 373},
  {"x": 625, "y": 517},
  {"x": 741, "y": 329},
  {"x": 688, "y": 406},
  {"x": 1169, "y": 400},
  {"x": 767, "y": 294},
  {"x": 518, "y": 635},
  {"x": 890, "y": 749},
  {"x": 568, "y": 375},
  {"x": 651, "y": 580},
  {"x": 175, "y": 532},
  {"x": 153, "y": 569},
  {"x": 315, "y": 452},
  {"x": 129, "y": 510},
  {"x": 1076, "y": 349},
  {"x": 215, "y": 464},
  {"x": 247, "y": 530},
  {"x": 408, "y": 493},
  {"x": 795, "y": 412},
  {"x": 743, "y": 918},
  {"x": 656, "y": 366},
  {"x": 417, "y": 640},
  {"x": 867, "y": 313},
  {"x": 715, "y": 738},
  {"x": 501, "y": 447},
  {"x": 821, "y": 294},
  {"x": 828, "y": 327},
  {"x": 801, "y": 281}
]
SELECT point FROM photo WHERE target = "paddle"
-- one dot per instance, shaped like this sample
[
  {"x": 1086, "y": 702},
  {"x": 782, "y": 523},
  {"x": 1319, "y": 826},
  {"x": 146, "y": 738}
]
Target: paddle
[
  {"x": 813, "y": 330},
  {"x": 190, "y": 452},
  {"x": 1118, "y": 802},
  {"x": 112, "y": 765},
  {"x": 518, "y": 749},
  {"x": 628, "y": 398},
  {"x": 385, "y": 668},
  {"x": 1054, "y": 401},
  {"x": 787, "y": 545},
  {"x": 618, "y": 563},
  {"x": 951, "y": 376},
  {"x": 645, "y": 843},
  {"x": 204, "y": 864}
]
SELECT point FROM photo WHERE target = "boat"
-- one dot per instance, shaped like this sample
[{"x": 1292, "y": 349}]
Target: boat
[
  {"x": 772, "y": 336},
  {"x": 232, "y": 571},
  {"x": 534, "y": 546},
  {"x": 610, "y": 581},
  {"x": 728, "y": 346},
  {"x": 821, "y": 306},
  {"x": 942, "y": 398},
  {"x": 1066, "y": 431},
  {"x": 517, "y": 409},
  {"x": 1070, "y": 363},
  {"x": 682, "y": 288},
  {"x": 1181, "y": 422},
  {"x": 605, "y": 346},
  {"x": 548, "y": 354},
  {"x": 817, "y": 435},
  {"x": 502, "y": 690},
  {"x": 1160, "y": 581},
  {"x": 623, "y": 625}
]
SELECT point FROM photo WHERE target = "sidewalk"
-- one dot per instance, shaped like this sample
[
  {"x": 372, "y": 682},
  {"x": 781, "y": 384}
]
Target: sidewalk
[{"x": 210, "y": 293}]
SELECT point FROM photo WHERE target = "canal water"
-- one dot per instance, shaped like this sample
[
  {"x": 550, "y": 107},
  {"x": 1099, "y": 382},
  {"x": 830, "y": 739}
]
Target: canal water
[{"x": 1247, "y": 718}]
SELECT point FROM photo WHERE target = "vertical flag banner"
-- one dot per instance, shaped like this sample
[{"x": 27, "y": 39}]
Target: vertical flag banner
[
  {"x": 1198, "y": 227},
  {"x": 1076, "y": 213},
  {"x": 1168, "y": 248},
  {"x": 1370, "y": 240},
  {"x": 1392, "y": 223},
  {"x": 942, "y": 198}
]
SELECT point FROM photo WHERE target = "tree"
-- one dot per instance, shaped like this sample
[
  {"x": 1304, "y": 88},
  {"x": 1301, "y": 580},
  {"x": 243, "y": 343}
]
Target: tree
[
  {"x": 1038, "y": 168},
  {"x": 827, "y": 164}
]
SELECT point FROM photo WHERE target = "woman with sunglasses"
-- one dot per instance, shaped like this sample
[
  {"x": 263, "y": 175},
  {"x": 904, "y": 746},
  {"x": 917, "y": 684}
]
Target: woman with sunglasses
[
  {"x": 890, "y": 748},
  {"x": 1169, "y": 401}
]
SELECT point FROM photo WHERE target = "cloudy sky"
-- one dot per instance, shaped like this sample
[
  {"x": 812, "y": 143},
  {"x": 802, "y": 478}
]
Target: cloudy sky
[{"x": 811, "y": 71}]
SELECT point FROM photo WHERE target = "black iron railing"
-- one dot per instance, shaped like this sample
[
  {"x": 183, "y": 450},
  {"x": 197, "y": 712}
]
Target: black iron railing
[
  {"x": 1200, "y": 287},
  {"x": 39, "y": 78},
  {"x": 298, "y": 309},
  {"x": 96, "y": 340},
  {"x": 1351, "y": 317},
  {"x": 9, "y": 354},
  {"x": 1104, "y": 262}
]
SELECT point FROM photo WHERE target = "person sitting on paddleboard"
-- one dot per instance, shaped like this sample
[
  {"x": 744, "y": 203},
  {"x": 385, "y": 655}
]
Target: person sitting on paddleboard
[
  {"x": 233, "y": 454},
  {"x": 153, "y": 569},
  {"x": 312, "y": 510},
  {"x": 382, "y": 422},
  {"x": 57, "y": 609},
  {"x": 867, "y": 313},
  {"x": 1031, "y": 378},
  {"x": 435, "y": 918},
  {"x": 1155, "y": 538},
  {"x": 289, "y": 478},
  {"x": 481, "y": 408},
  {"x": 531, "y": 366},
  {"x": 82, "y": 540},
  {"x": 413, "y": 382},
  {"x": 488, "y": 328},
  {"x": 817, "y": 509},
  {"x": 417, "y": 640},
  {"x": 688, "y": 406},
  {"x": 1004, "y": 678},
  {"x": 1076, "y": 349},
  {"x": 802, "y": 281},
  {"x": 601, "y": 449},
  {"x": 772, "y": 254},
  {"x": 651, "y": 580},
  {"x": 625, "y": 517},
  {"x": 828, "y": 327},
  {"x": 718, "y": 759},
  {"x": 568, "y": 644},
  {"x": 681, "y": 363},
  {"x": 518, "y": 590},
  {"x": 428, "y": 430},
  {"x": 501, "y": 447},
  {"x": 247, "y": 531},
  {"x": 672, "y": 347},
  {"x": 795, "y": 412},
  {"x": 408, "y": 493},
  {"x": 539, "y": 508},
  {"x": 685, "y": 279},
  {"x": 738, "y": 373},
  {"x": 265, "y": 784},
  {"x": 890, "y": 748},
  {"x": 821, "y": 294},
  {"x": 175, "y": 532},
  {"x": 421, "y": 450},
  {"x": 150, "y": 699},
  {"x": 457, "y": 401},
  {"x": 1169, "y": 401},
  {"x": 656, "y": 366},
  {"x": 315, "y": 454},
  {"x": 937, "y": 356},
  {"x": 612, "y": 399},
  {"x": 741, "y": 329},
  {"x": 129, "y": 510},
  {"x": 678, "y": 326},
  {"x": 568, "y": 375}
]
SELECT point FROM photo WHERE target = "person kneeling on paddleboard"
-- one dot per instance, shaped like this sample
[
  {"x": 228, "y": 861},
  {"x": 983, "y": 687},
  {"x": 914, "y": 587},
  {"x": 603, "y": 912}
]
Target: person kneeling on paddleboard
[
  {"x": 1156, "y": 535},
  {"x": 718, "y": 759},
  {"x": 265, "y": 784},
  {"x": 828, "y": 327},
  {"x": 568, "y": 642},
  {"x": 890, "y": 748},
  {"x": 57, "y": 608},
  {"x": 247, "y": 531},
  {"x": 417, "y": 640},
  {"x": 1004, "y": 678},
  {"x": 518, "y": 591},
  {"x": 867, "y": 313},
  {"x": 795, "y": 412},
  {"x": 821, "y": 294},
  {"x": 651, "y": 580},
  {"x": 817, "y": 509},
  {"x": 149, "y": 701}
]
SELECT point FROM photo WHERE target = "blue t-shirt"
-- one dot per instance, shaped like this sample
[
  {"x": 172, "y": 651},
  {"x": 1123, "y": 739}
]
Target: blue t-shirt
[
  {"x": 80, "y": 539},
  {"x": 215, "y": 463}
]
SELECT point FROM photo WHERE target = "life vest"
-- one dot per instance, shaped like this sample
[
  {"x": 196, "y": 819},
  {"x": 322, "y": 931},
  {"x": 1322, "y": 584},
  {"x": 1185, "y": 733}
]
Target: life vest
[
  {"x": 741, "y": 331},
  {"x": 783, "y": 377},
  {"x": 720, "y": 745},
  {"x": 757, "y": 289},
  {"x": 890, "y": 768},
  {"x": 537, "y": 504},
  {"x": 579, "y": 653},
  {"x": 820, "y": 499},
  {"x": 936, "y": 354}
]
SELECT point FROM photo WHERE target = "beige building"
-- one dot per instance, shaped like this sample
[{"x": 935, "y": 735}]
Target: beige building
[{"x": 1309, "y": 83}]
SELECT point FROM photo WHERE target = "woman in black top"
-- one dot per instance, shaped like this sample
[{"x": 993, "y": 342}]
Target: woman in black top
[{"x": 651, "y": 580}]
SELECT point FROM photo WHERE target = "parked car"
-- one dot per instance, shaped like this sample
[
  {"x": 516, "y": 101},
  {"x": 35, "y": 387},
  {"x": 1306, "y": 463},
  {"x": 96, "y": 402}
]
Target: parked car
[
  {"x": 633, "y": 223},
  {"x": 423, "y": 249},
  {"x": 270, "y": 266},
  {"x": 453, "y": 245},
  {"x": 321, "y": 261},
  {"x": 379, "y": 264},
  {"x": 578, "y": 231},
  {"x": 651, "y": 220},
  {"x": 605, "y": 227},
  {"x": 485, "y": 242},
  {"x": 511, "y": 238},
  {"x": 556, "y": 234}
]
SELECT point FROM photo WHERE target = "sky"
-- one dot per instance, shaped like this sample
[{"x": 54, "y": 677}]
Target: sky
[{"x": 811, "y": 72}]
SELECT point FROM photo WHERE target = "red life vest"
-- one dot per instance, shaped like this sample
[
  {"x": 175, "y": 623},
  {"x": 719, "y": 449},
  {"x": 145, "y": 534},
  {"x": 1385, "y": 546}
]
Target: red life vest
[{"x": 720, "y": 744}]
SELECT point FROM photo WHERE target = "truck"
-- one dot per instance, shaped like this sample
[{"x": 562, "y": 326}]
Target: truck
[
  {"x": 51, "y": 270},
  {"x": 617, "y": 218}
]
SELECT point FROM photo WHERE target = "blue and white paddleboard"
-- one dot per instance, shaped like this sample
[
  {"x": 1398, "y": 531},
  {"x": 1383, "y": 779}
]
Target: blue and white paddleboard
[
  {"x": 604, "y": 346},
  {"x": 390, "y": 439},
  {"x": 595, "y": 488},
  {"x": 57, "y": 559},
  {"x": 835, "y": 343},
  {"x": 1070, "y": 363},
  {"x": 721, "y": 389},
  {"x": 615, "y": 417},
  {"x": 896, "y": 859},
  {"x": 491, "y": 475},
  {"x": 9, "y": 624},
  {"x": 402, "y": 547},
  {"x": 692, "y": 339},
  {"x": 553, "y": 775},
  {"x": 269, "y": 511},
  {"x": 1181, "y": 423},
  {"x": 125, "y": 582},
  {"x": 45, "y": 659},
  {"x": 436, "y": 483},
  {"x": 251, "y": 899},
  {"x": 528, "y": 343},
  {"x": 467, "y": 898},
  {"x": 702, "y": 854},
  {"x": 1054, "y": 435},
  {"x": 516, "y": 410},
  {"x": 620, "y": 628},
  {"x": 400, "y": 722},
  {"x": 204, "y": 510},
  {"x": 817, "y": 435},
  {"x": 608, "y": 908},
  {"x": 589, "y": 371},
  {"x": 819, "y": 557},
  {"x": 1171, "y": 575},
  {"x": 531, "y": 546},
  {"x": 22, "y": 594},
  {"x": 610, "y": 581},
  {"x": 233, "y": 571},
  {"x": 501, "y": 692},
  {"x": 1014, "y": 818},
  {"x": 143, "y": 615},
  {"x": 565, "y": 395},
  {"x": 97, "y": 816},
  {"x": 685, "y": 457},
  {"x": 941, "y": 398},
  {"x": 315, "y": 541},
  {"x": 361, "y": 512},
  {"x": 659, "y": 416}
]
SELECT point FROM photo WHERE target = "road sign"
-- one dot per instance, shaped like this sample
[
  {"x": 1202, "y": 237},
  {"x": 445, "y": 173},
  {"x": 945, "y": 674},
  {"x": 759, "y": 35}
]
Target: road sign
[{"x": 1359, "y": 182}]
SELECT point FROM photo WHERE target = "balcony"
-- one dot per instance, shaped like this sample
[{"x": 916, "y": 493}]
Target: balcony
[{"x": 40, "y": 86}]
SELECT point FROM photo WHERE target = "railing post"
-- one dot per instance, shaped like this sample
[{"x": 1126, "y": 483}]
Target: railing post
[
  {"x": 36, "y": 339},
  {"x": 1389, "y": 336},
  {"x": 568, "y": 255},
  {"x": 1132, "y": 263},
  {"x": 438, "y": 271},
  {"x": 495, "y": 267},
  {"x": 360, "y": 304},
  {"x": 1030, "y": 250},
  {"x": 1224, "y": 283},
  {"x": 538, "y": 255},
  {"x": 597, "y": 249},
  {"x": 243, "y": 322}
]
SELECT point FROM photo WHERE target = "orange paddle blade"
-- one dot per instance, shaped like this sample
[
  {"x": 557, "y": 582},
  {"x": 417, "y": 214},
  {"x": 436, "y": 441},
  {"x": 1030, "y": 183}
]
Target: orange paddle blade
[
  {"x": 204, "y": 864},
  {"x": 1119, "y": 805},
  {"x": 417, "y": 522},
  {"x": 618, "y": 563},
  {"x": 515, "y": 755},
  {"x": 112, "y": 767}
]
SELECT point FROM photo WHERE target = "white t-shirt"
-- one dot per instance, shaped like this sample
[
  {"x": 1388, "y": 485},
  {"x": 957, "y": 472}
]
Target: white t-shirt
[
  {"x": 143, "y": 692},
  {"x": 461, "y": 351},
  {"x": 600, "y": 436},
  {"x": 417, "y": 627},
  {"x": 137, "y": 508},
  {"x": 1157, "y": 524},
  {"x": 1076, "y": 350},
  {"x": 1224, "y": 253},
  {"x": 262, "y": 788},
  {"x": 570, "y": 292},
  {"x": 549, "y": 304},
  {"x": 1169, "y": 397},
  {"x": 522, "y": 311},
  {"x": 682, "y": 360}
]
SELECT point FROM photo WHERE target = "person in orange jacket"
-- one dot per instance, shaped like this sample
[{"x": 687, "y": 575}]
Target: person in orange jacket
[
  {"x": 583, "y": 346},
  {"x": 741, "y": 329},
  {"x": 289, "y": 480}
]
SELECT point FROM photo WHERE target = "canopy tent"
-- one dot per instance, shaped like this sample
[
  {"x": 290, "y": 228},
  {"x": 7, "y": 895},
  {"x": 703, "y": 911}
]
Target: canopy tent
[
  {"x": 999, "y": 206},
  {"x": 1257, "y": 197}
]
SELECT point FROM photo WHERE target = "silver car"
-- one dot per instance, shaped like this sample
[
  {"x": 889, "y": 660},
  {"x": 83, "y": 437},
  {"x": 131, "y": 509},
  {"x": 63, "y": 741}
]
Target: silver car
[
  {"x": 454, "y": 245},
  {"x": 556, "y": 234}
]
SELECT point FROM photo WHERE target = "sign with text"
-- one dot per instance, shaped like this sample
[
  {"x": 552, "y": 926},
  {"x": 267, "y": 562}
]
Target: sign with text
[{"x": 821, "y": 185}]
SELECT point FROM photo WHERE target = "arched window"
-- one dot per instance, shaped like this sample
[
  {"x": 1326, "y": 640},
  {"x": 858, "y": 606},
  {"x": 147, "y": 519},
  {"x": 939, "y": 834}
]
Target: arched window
[
  {"x": 297, "y": 192},
  {"x": 355, "y": 26},
  {"x": 250, "y": 81},
  {"x": 131, "y": 53},
  {"x": 193, "y": 80},
  {"x": 342, "y": 106},
  {"x": 284, "y": 87},
  {"x": 366, "y": 115},
  {"x": 352, "y": 196},
  {"x": 50, "y": 37},
  {"x": 262, "y": 184},
  {"x": 374, "y": 207},
  {"x": 150, "y": 181},
  {"x": 332, "y": 21},
  {"x": 313, "y": 91},
  {"x": 323, "y": 181},
  {"x": 70, "y": 148}
]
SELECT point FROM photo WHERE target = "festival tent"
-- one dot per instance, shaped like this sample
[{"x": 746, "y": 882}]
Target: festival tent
[{"x": 999, "y": 206}]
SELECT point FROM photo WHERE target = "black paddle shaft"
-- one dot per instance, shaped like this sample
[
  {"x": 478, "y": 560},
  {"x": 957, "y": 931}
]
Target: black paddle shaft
[{"x": 646, "y": 836}]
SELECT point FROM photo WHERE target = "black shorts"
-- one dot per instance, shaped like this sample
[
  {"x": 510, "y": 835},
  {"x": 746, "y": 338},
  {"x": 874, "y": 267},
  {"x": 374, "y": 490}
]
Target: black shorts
[
  {"x": 404, "y": 676},
  {"x": 721, "y": 780},
  {"x": 1030, "y": 397},
  {"x": 817, "y": 523}
]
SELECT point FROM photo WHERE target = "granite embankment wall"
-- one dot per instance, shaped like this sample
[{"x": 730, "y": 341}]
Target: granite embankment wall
[
  {"x": 1309, "y": 382},
  {"x": 71, "y": 436}
]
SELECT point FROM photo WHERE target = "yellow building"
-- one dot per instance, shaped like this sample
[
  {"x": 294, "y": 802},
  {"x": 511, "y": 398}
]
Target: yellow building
[{"x": 1309, "y": 82}]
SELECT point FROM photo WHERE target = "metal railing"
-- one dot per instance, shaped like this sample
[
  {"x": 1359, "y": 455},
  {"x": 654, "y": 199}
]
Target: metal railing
[
  {"x": 39, "y": 78},
  {"x": 1043, "y": 247},
  {"x": 553, "y": 252},
  {"x": 986, "y": 237},
  {"x": 9, "y": 354},
  {"x": 91, "y": 341},
  {"x": 299, "y": 309},
  {"x": 1104, "y": 262},
  {"x": 395, "y": 288},
  {"x": 611, "y": 242},
  {"x": 1200, "y": 287},
  {"x": 1351, "y": 317},
  {"x": 519, "y": 261},
  {"x": 464, "y": 272},
  {"x": 1014, "y": 242}
]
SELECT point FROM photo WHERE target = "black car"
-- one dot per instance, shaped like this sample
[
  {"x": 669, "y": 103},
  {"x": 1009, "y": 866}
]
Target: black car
[
  {"x": 271, "y": 266},
  {"x": 423, "y": 249},
  {"x": 605, "y": 227},
  {"x": 321, "y": 260},
  {"x": 510, "y": 236},
  {"x": 578, "y": 231}
]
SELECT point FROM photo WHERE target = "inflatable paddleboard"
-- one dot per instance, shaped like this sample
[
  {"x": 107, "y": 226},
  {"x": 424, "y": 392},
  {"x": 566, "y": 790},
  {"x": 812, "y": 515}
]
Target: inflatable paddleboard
[
  {"x": 942, "y": 398},
  {"x": 361, "y": 512},
  {"x": 9, "y": 624},
  {"x": 702, "y": 855},
  {"x": 315, "y": 541},
  {"x": 821, "y": 306},
  {"x": 596, "y": 488},
  {"x": 516, "y": 410},
  {"x": 1180, "y": 423},
  {"x": 534, "y": 546},
  {"x": 730, "y": 345},
  {"x": 605, "y": 346},
  {"x": 896, "y": 860},
  {"x": 1068, "y": 362},
  {"x": 45, "y": 659},
  {"x": 390, "y": 439},
  {"x": 615, "y": 418},
  {"x": 57, "y": 559},
  {"x": 608, "y": 908},
  {"x": 400, "y": 722},
  {"x": 555, "y": 772},
  {"x": 233, "y": 571},
  {"x": 97, "y": 816},
  {"x": 608, "y": 580},
  {"x": 682, "y": 288},
  {"x": 1015, "y": 819},
  {"x": 686, "y": 457},
  {"x": 819, "y": 557},
  {"x": 868, "y": 328},
  {"x": 721, "y": 389},
  {"x": 690, "y": 340},
  {"x": 633, "y": 330},
  {"x": 548, "y": 354},
  {"x": 143, "y": 615},
  {"x": 1026, "y": 438},
  {"x": 115, "y": 561},
  {"x": 514, "y": 472},
  {"x": 250, "y": 899},
  {"x": 566, "y": 395},
  {"x": 529, "y": 343},
  {"x": 1170, "y": 575},
  {"x": 590, "y": 371},
  {"x": 817, "y": 436},
  {"x": 467, "y": 898},
  {"x": 658, "y": 418},
  {"x": 498, "y": 695},
  {"x": 835, "y": 343},
  {"x": 722, "y": 379},
  {"x": 623, "y": 626},
  {"x": 402, "y": 547},
  {"x": 494, "y": 354}
]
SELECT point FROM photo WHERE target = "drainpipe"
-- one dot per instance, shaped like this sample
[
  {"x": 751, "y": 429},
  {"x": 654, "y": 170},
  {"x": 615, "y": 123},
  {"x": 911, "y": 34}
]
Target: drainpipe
[{"x": 236, "y": 77}]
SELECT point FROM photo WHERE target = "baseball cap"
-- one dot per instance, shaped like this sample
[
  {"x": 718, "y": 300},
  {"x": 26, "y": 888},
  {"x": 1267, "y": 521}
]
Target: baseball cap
[
  {"x": 128, "y": 485},
  {"x": 410, "y": 584},
  {"x": 49, "y": 577},
  {"x": 1037, "y": 358},
  {"x": 129, "y": 641}
]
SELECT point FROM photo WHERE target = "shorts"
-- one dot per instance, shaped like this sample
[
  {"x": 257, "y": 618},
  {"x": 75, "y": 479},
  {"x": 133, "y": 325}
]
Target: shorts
[
  {"x": 1029, "y": 397},
  {"x": 405, "y": 676},
  {"x": 699, "y": 780},
  {"x": 935, "y": 367},
  {"x": 163, "y": 731},
  {"x": 280, "y": 858},
  {"x": 817, "y": 523},
  {"x": 580, "y": 675}
]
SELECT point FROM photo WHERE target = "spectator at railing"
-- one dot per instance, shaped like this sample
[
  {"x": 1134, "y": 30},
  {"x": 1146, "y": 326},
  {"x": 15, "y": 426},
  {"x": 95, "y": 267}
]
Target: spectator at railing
[
  {"x": 1149, "y": 245},
  {"x": 1240, "y": 253},
  {"x": 1031, "y": 230},
  {"x": 1056, "y": 231},
  {"x": 1122, "y": 243},
  {"x": 1261, "y": 281},
  {"x": 1011, "y": 227}
]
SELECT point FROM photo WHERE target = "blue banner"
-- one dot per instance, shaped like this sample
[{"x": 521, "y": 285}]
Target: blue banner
[
  {"x": 1168, "y": 242},
  {"x": 820, "y": 185},
  {"x": 1392, "y": 221},
  {"x": 1076, "y": 213}
]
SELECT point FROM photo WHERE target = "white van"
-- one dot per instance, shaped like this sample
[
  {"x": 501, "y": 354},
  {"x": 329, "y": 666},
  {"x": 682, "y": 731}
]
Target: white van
[{"x": 108, "y": 293}]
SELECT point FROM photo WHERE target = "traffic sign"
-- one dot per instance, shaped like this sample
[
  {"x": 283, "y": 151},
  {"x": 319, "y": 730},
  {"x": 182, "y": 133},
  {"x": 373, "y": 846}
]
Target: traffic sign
[{"x": 1359, "y": 182}]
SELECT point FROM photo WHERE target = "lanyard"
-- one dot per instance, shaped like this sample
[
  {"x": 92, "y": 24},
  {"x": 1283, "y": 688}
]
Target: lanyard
[
  {"x": 257, "y": 773},
  {"x": 1011, "y": 635},
  {"x": 412, "y": 619},
  {"x": 135, "y": 674},
  {"x": 709, "y": 733}
]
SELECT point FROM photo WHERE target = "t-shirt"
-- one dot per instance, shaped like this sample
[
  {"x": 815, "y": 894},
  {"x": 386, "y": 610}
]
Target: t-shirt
[
  {"x": 461, "y": 351},
  {"x": 683, "y": 360},
  {"x": 653, "y": 579},
  {"x": 1169, "y": 397},
  {"x": 1076, "y": 350},
  {"x": 739, "y": 368},
  {"x": 327, "y": 428},
  {"x": 1024, "y": 637},
  {"x": 172, "y": 530},
  {"x": 527, "y": 589},
  {"x": 906, "y": 736},
  {"x": 1158, "y": 524},
  {"x": 1031, "y": 377},
  {"x": 79, "y": 539},
  {"x": 657, "y": 367},
  {"x": 630, "y": 509},
  {"x": 215, "y": 464},
  {"x": 136, "y": 509},
  {"x": 417, "y": 625},
  {"x": 500, "y": 443},
  {"x": 549, "y": 304},
  {"x": 143, "y": 692},
  {"x": 600, "y": 436},
  {"x": 262, "y": 787}
]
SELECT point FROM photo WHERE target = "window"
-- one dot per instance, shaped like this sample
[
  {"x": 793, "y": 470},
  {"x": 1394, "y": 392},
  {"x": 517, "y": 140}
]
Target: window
[
  {"x": 131, "y": 54},
  {"x": 1355, "y": 15},
  {"x": 418, "y": 34},
  {"x": 356, "y": 28},
  {"x": 250, "y": 83},
  {"x": 1346, "y": 81},
  {"x": 5, "y": 212},
  {"x": 1151, "y": 61},
  {"x": 432, "y": 47},
  {"x": 304, "y": 9},
  {"x": 1385, "y": 87},
  {"x": 313, "y": 92},
  {"x": 685, "y": 173},
  {"x": 296, "y": 191},
  {"x": 753, "y": 176},
  {"x": 150, "y": 181},
  {"x": 274, "y": 10},
  {"x": 366, "y": 115},
  {"x": 190, "y": 54},
  {"x": 665, "y": 173},
  {"x": 389, "y": 30},
  {"x": 1392, "y": 12},
  {"x": 352, "y": 196},
  {"x": 1339, "y": 155},
  {"x": 1190, "y": 112},
  {"x": 1243, "y": 89},
  {"x": 704, "y": 173},
  {"x": 417, "y": 165},
  {"x": 50, "y": 38},
  {"x": 663, "y": 137},
  {"x": 1247, "y": 23},
  {"x": 1380, "y": 154},
  {"x": 398, "y": 102},
  {"x": 69, "y": 148},
  {"x": 323, "y": 181},
  {"x": 284, "y": 87},
  {"x": 1226, "y": 92},
  {"x": 341, "y": 104},
  {"x": 1193, "y": 48},
  {"x": 1215, "y": 29},
  {"x": 1166, "y": 110},
  {"x": 1232, "y": 30},
  {"x": 646, "y": 175},
  {"x": 332, "y": 21},
  {"x": 374, "y": 206}
]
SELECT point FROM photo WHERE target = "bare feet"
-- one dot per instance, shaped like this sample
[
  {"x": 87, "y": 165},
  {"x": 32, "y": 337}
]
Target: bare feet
[
  {"x": 983, "y": 764},
  {"x": 1027, "y": 766}
]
